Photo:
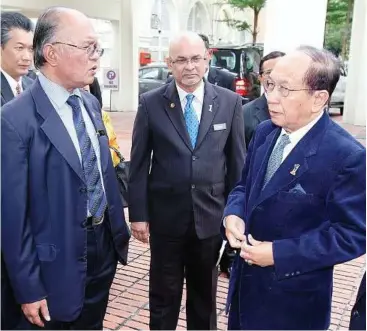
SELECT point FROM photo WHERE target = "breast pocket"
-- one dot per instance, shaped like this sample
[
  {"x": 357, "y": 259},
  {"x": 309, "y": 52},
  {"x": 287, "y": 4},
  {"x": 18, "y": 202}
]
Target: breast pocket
[{"x": 298, "y": 198}]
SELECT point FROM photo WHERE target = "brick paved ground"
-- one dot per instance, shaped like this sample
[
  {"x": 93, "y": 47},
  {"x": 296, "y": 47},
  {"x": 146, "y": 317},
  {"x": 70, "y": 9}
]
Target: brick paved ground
[{"x": 128, "y": 306}]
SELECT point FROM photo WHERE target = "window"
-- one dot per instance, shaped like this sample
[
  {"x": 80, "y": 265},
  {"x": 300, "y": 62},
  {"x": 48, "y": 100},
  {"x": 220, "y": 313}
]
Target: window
[
  {"x": 224, "y": 59},
  {"x": 149, "y": 73}
]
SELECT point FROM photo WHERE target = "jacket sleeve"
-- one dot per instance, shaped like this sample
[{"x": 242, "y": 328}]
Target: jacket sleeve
[
  {"x": 17, "y": 242},
  {"x": 140, "y": 159},
  {"x": 342, "y": 237},
  {"x": 235, "y": 148},
  {"x": 112, "y": 139}
]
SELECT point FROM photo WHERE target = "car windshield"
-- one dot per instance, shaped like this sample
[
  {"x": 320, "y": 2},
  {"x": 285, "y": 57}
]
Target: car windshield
[{"x": 224, "y": 59}]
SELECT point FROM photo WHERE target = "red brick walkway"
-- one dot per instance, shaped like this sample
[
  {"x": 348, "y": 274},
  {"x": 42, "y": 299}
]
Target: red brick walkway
[{"x": 128, "y": 307}]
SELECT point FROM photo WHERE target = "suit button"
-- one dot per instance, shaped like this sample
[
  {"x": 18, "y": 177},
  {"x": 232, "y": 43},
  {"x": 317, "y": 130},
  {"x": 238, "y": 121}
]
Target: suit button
[
  {"x": 194, "y": 158},
  {"x": 286, "y": 275},
  {"x": 83, "y": 190},
  {"x": 297, "y": 272},
  {"x": 193, "y": 186},
  {"x": 292, "y": 274}
]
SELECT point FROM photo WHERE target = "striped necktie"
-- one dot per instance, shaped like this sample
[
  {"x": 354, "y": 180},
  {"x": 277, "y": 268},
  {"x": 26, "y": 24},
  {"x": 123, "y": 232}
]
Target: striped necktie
[
  {"x": 96, "y": 196},
  {"x": 18, "y": 89}
]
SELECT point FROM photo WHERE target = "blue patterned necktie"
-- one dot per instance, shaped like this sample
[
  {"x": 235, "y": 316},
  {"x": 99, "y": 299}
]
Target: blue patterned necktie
[
  {"x": 96, "y": 197},
  {"x": 275, "y": 159},
  {"x": 191, "y": 119}
]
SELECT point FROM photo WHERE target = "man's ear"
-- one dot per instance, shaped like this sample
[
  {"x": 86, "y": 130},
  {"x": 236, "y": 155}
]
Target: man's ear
[{"x": 320, "y": 100}]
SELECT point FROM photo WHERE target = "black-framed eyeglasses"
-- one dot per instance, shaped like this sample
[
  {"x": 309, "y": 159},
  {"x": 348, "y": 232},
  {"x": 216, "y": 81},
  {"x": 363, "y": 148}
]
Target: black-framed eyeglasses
[
  {"x": 269, "y": 86},
  {"x": 184, "y": 61},
  {"x": 265, "y": 73},
  {"x": 90, "y": 50}
]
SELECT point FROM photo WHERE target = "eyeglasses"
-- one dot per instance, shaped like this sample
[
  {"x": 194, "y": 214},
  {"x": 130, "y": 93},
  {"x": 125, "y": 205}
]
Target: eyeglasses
[
  {"x": 184, "y": 61},
  {"x": 269, "y": 86},
  {"x": 90, "y": 50},
  {"x": 265, "y": 73}
]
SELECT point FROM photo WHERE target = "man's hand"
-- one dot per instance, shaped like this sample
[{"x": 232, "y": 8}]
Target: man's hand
[
  {"x": 34, "y": 311},
  {"x": 140, "y": 230},
  {"x": 260, "y": 253},
  {"x": 235, "y": 229}
]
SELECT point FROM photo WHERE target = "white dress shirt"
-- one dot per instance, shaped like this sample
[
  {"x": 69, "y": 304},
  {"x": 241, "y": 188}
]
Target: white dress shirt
[
  {"x": 58, "y": 97},
  {"x": 13, "y": 83},
  {"x": 296, "y": 136},
  {"x": 197, "y": 102}
]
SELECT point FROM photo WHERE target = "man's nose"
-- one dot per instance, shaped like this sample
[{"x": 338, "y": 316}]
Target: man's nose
[
  {"x": 272, "y": 97},
  {"x": 27, "y": 55}
]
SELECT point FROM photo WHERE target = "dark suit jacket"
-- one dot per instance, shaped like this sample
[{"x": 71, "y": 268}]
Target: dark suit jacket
[
  {"x": 10, "y": 310},
  {"x": 315, "y": 217},
  {"x": 95, "y": 90},
  {"x": 44, "y": 201},
  {"x": 6, "y": 91},
  {"x": 358, "y": 315},
  {"x": 218, "y": 77},
  {"x": 184, "y": 183},
  {"x": 254, "y": 113}
]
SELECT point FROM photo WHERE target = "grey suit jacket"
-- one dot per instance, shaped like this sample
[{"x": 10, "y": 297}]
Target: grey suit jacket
[
  {"x": 171, "y": 183},
  {"x": 6, "y": 91},
  {"x": 254, "y": 113}
]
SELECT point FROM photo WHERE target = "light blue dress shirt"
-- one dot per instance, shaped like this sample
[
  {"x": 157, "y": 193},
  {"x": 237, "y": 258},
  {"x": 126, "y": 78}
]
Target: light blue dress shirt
[{"x": 58, "y": 96}]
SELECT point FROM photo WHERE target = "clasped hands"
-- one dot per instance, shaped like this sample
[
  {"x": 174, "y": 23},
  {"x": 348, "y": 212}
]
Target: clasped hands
[{"x": 252, "y": 251}]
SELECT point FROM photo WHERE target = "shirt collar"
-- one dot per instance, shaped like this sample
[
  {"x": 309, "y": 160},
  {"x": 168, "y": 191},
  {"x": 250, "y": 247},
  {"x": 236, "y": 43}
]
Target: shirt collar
[
  {"x": 198, "y": 93},
  {"x": 58, "y": 94},
  {"x": 296, "y": 136},
  {"x": 12, "y": 82}
]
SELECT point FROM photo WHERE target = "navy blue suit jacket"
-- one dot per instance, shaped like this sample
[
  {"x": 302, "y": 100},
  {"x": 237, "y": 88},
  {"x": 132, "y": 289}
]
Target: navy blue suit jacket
[
  {"x": 44, "y": 203},
  {"x": 315, "y": 217}
]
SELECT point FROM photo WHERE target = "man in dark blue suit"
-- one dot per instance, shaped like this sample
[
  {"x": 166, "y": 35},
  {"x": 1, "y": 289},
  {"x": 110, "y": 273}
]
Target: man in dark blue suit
[
  {"x": 63, "y": 227},
  {"x": 187, "y": 153},
  {"x": 300, "y": 207}
]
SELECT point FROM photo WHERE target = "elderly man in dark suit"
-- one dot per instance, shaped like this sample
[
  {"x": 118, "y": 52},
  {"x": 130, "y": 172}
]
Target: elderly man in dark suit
[
  {"x": 300, "y": 207},
  {"x": 16, "y": 54},
  {"x": 62, "y": 220},
  {"x": 257, "y": 110},
  {"x": 187, "y": 153}
]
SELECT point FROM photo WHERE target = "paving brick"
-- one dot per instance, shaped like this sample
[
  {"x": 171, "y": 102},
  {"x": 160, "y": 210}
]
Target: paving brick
[
  {"x": 107, "y": 325},
  {"x": 137, "y": 325},
  {"x": 114, "y": 318}
]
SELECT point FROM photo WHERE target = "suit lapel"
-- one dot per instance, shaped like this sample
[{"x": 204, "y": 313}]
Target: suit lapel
[
  {"x": 174, "y": 111},
  {"x": 262, "y": 113},
  {"x": 54, "y": 128},
  {"x": 210, "y": 107},
  {"x": 261, "y": 164},
  {"x": 26, "y": 82},
  {"x": 96, "y": 119},
  {"x": 6, "y": 91},
  {"x": 295, "y": 165}
]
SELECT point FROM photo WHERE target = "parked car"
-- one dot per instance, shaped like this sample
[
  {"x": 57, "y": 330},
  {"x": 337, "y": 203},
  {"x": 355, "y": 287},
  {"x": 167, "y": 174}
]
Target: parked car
[
  {"x": 152, "y": 76},
  {"x": 337, "y": 98},
  {"x": 243, "y": 61}
]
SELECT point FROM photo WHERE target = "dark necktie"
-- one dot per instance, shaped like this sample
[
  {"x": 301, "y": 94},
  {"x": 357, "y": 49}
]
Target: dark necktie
[{"x": 96, "y": 197}]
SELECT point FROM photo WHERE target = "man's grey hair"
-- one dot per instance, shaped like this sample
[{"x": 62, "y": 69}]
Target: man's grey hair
[
  {"x": 324, "y": 71},
  {"x": 13, "y": 20},
  {"x": 45, "y": 32}
]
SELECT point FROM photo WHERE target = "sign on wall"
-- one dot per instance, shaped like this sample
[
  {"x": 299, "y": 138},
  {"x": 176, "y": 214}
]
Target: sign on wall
[{"x": 110, "y": 79}]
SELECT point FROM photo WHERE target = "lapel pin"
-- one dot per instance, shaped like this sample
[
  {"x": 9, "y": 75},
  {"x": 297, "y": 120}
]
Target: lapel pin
[
  {"x": 294, "y": 170},
  {"x": 210, "y": 107},
  {"x": 172, "y": 105}
]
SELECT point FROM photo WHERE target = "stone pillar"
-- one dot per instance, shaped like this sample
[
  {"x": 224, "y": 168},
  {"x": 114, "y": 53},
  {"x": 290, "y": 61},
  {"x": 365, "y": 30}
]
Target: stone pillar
[
  {"x": 126, "y": 57},
  {"x": 290, "y": 23},
  {"x": 355, "y": 101}
]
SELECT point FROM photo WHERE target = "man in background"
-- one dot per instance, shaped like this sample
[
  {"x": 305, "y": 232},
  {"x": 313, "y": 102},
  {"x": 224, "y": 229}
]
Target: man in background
[
  {"x": 257, "y": 110},
  {"x": 16, "y": 59},
  {"x": 16, "y": 54}
]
